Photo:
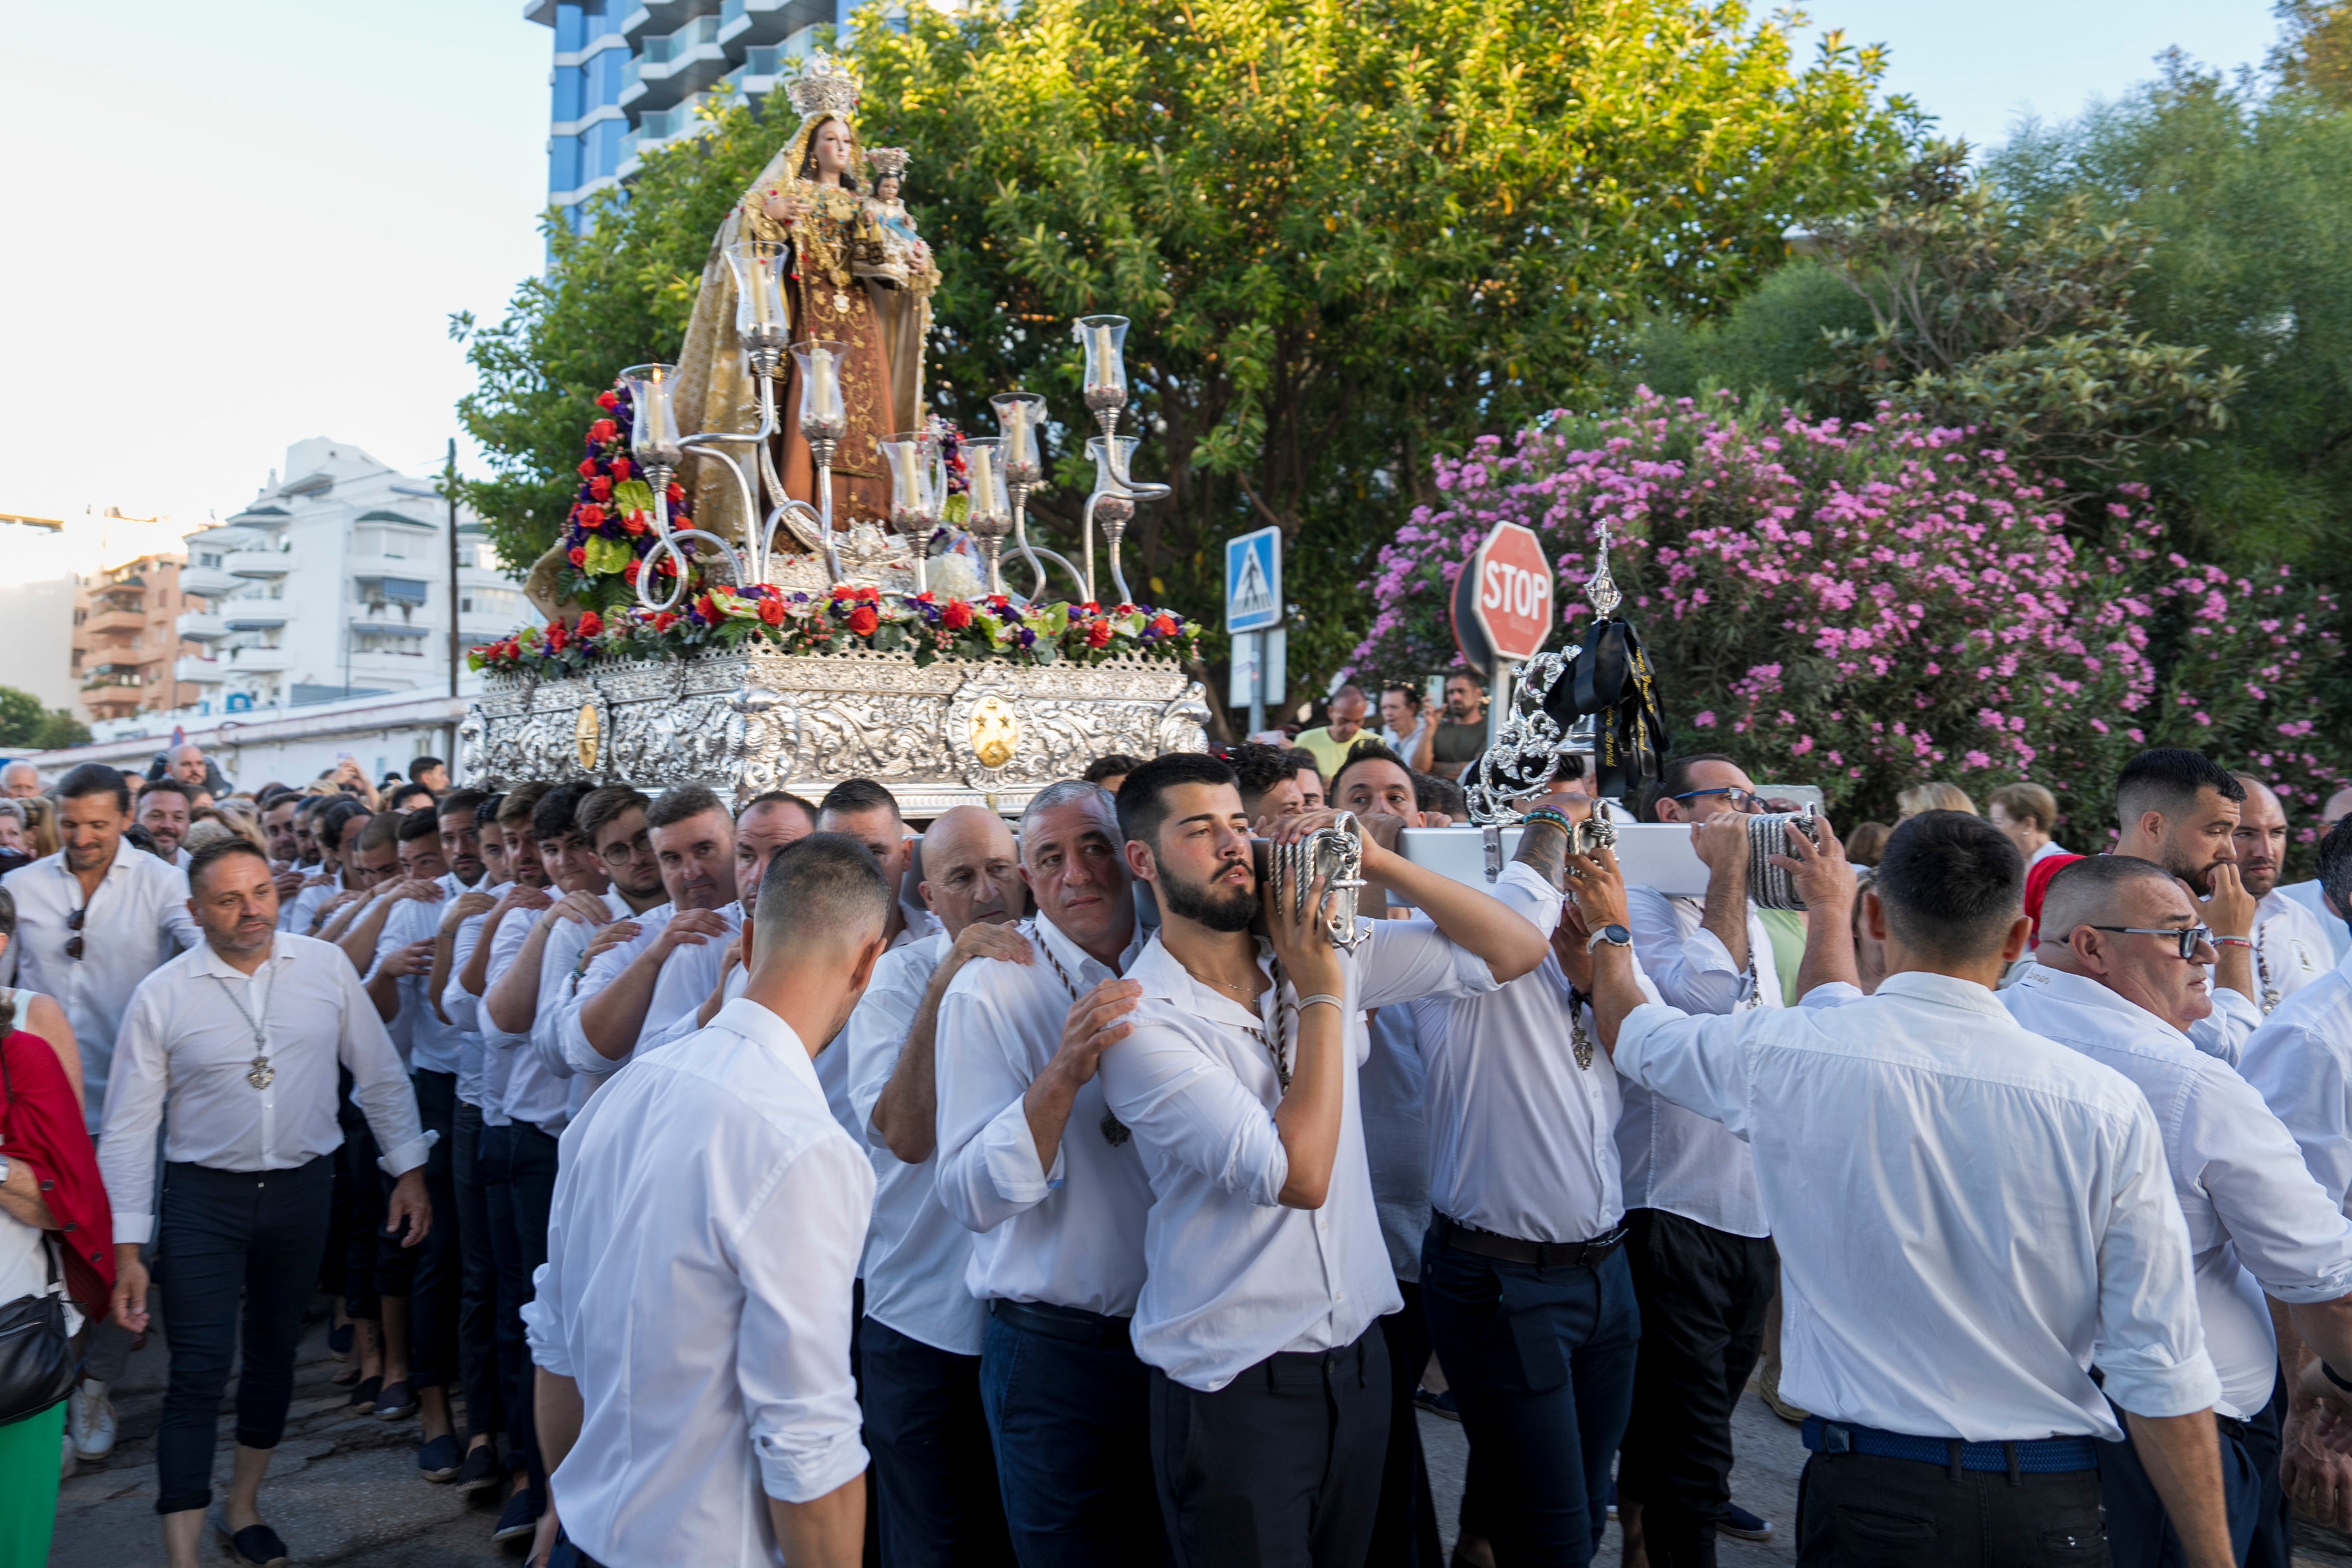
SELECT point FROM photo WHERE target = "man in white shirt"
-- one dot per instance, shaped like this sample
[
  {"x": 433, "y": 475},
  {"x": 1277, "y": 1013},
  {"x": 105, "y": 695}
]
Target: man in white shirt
[
  {"x": 919, "y": 1349},
  {"x": 2332, "y": 811},
  {"x": 1964, "y": 1211},
  {"x": 2115, "y": 984},
  {"x": 1523, "y": 1272},
  {"x": 1265, "y": 1272},
  {"x": 869, "y": 814},
  {"x": 2291, "y": 945},
  {"x": 164, "y": 813},
  {"x": 2180, "y": 809},
  {"x": 692, "y": 1323},
  {"x": 1033, "y": 1163},
  {"x": 699, "y": 978},
  {"x": 241, "y": 1037},
  {"x": 1696, "y": 1239},
  {"x": 92, "y": 921},
  {"x": 687, "y": 840},
  {"x": 340, "y": 825}
]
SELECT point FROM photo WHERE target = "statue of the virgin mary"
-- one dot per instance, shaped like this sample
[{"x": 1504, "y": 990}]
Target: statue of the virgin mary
[{"x": 838, "y": 285}]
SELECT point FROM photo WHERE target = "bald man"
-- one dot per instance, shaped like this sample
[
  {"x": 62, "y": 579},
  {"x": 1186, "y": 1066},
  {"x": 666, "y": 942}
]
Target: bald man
[
  {"x": 2339, "y": 935},
  {"x": 2290, "y": 943},
  {"x": 920, "y": 1345},
  {"x": 20, "y": 781}
]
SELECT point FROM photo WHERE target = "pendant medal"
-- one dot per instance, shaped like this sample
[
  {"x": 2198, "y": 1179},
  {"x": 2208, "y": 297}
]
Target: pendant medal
[
  {"x": 1114, "y": 1131},
  {"x": 840, "y": 303},
  {"x": 261, "y": 1075}
]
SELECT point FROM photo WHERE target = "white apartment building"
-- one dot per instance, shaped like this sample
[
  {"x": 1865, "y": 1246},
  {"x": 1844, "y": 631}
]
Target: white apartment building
[{"x": 334, "y": 585}]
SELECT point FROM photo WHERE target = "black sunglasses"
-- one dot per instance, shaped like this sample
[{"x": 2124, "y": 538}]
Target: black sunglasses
[
  {"x": 73, "y": 924},
  {"x": 2189, "y": 938}
]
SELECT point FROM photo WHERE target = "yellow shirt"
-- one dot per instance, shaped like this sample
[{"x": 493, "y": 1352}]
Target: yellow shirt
[{"x": 1330, "y": 752}]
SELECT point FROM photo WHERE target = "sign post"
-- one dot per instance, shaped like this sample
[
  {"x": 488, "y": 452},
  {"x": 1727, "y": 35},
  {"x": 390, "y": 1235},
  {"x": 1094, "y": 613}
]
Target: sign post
[
  {"x": 1502, "y": 611},
  {"x": 1253, "y": 617}
]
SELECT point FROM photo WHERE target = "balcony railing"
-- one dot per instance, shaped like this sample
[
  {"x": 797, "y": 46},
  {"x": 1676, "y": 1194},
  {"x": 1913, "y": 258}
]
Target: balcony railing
[
  {"x": 257, "y": 563},
  {"x": 672, "y": 46},
  {"x": 202, "y": 671},
  {"x": 202, "y": 626}
]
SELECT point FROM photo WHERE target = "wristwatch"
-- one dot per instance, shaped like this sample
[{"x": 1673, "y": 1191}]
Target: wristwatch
[{"x": 1615, "y": 936}]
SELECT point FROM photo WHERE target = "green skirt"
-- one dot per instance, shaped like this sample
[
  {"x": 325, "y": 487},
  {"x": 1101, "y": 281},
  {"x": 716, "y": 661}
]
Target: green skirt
[{"x": 29, "y": 1454}]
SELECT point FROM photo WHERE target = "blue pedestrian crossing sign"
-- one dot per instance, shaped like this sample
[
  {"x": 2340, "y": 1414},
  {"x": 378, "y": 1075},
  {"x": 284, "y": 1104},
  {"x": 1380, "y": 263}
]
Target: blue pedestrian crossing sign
[{"x": 1253, "y": 581}]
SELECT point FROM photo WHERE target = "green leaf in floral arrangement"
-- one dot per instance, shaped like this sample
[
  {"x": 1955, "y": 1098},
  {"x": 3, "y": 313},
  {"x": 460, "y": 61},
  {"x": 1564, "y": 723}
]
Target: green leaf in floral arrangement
[
  {"x": 607, "y": 557},
  {"x": 957, "y": 509},
  {"x": 632, "y": 495}
]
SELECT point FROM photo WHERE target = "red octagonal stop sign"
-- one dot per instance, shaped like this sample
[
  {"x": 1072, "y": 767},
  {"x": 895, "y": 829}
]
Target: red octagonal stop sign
[{"x": 1505, "y": 592}]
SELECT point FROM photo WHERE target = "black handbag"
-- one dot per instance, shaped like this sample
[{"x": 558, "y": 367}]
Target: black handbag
[{"x": 36, "y": 1358}]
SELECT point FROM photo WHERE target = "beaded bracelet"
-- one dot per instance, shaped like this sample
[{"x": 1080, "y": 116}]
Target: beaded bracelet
[{"x": 1549, "y": 813}]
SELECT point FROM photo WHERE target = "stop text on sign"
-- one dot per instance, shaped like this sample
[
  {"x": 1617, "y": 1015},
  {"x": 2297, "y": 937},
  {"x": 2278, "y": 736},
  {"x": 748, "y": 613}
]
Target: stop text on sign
[{"x": 1515, "y": 591}]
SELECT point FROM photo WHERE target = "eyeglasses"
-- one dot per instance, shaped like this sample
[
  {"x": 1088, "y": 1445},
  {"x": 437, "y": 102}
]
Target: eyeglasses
[
  {"x": 1741, "y": 799},
  {"x": 2188, "y": 938},
  {"x": 73, "y": 924}
]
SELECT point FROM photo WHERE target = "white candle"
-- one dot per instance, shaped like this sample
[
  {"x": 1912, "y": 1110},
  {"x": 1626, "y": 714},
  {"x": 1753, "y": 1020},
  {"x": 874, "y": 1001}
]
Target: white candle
[
  {"x": 906, "y": 475},
  {"x": 825, "y": 387},
  {"x": 1107, "y": 366},
  {"x": 654, "y": 424}
]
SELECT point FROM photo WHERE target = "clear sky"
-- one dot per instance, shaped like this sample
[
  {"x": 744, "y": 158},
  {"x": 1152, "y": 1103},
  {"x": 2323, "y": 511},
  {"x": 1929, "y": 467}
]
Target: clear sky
[{"x": 228, "y": 226}]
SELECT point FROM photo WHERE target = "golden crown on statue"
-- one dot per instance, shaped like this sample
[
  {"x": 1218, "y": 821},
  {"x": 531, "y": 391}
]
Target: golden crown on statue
[
  {"x": 823, "y": 86},
  {"x": 888, "y": 161}
]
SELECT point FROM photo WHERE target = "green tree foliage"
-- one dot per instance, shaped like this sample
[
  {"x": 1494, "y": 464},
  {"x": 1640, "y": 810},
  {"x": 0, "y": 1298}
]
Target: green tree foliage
[
  {"x": 1352, "y": 235},
  {"x": 26, "y": 725},
  {"x": 2315, "y": 56}
]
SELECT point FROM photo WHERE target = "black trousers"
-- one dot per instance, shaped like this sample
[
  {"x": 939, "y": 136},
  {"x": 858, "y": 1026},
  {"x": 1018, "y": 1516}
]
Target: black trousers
[
  {"x": 1703, "y": 1294},
  {"x": 2139, "y": 1535},
  {"x": 1068, "y": 1415},
  {"x": 435, "y": 1274},
  {"x": 1858, "y": 1510},
  {"x": 934, "y": 1470},
  {"x": 478, "y": 1271},
  {"x": 361, "y": 1190},
  {"x": 237, "y": 1255},
  {"x": 1406, "y": 1534},
  {"x": 1279, "y": 1468},
  {"x": 511, "y": 1350}
]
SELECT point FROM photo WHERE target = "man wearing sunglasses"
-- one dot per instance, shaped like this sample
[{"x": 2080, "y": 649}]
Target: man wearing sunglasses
[
  {"x": 2121, "y": 978},
  {"x": 2180, "y": 809},
  {"x": 92, "y": 924}
]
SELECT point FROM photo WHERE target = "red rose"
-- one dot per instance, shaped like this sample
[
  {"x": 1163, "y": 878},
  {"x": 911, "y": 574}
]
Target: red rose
[
  {"x": 556, "y": 636},
  {"x": 1123, "y": 610},
  {"x": 592, "y": 516},
  {"x": 871, "y": 596},
  {"x": 635, "y": 523},
  {"x": 669, "y": 566},
  {"x": 1090, "y": 608},
  {"x": 1165, "y": 625},
  {"x": 956, "y": 616},
  {"x": 1098, "y": 635},
  {"x": 621, "y": 469},
  {"x": 601, "y": 487},
  {"x": 578, "y": 556},
  {"x": 677, "y": 493},
  {"x": 632, "y": 570},
  {"x": 587, "y": 467},
  {"x": 608, "y": 400},
  {"x": 864, "y": 619},
  {"x": 843, "y": 591},
  {"x": 591, "y": 624},
  {"x": 664, "y": 620},
  {"x": 602, "y": 430},
  {"x": 706, "y": 609},
  {"x": 771, "y": 611}
]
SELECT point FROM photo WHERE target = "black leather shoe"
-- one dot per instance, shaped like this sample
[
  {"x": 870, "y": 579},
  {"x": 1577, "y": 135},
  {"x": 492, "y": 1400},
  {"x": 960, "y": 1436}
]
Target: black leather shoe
[{"x": 256, "y": 1544}]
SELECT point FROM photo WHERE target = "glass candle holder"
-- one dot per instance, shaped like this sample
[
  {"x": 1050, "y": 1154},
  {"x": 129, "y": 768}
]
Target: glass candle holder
[
  {"x": 1021, "y": 417},
  {"x": 759, "y": 321},
  {"x": 653, "y": 422},
  {"x": 918, "y": 473},
  {"x": 823, "y": 414},
  {"x": 985, "y": 482},
  {"x": 1105, "y": 341}
]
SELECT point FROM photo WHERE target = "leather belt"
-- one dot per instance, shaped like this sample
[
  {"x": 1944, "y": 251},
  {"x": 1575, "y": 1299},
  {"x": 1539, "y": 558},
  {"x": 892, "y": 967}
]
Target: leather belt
[
  {"x": 2044, "y": 1456},
  {"x": 1453, "y": 1233},
  {"x": 1074, "y": 1324}
]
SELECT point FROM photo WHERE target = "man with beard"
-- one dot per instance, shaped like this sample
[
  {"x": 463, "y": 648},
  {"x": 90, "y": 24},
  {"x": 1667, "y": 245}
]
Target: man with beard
[
  {"x": 700, "y": 978},
  {"x": 1461, "y": 725},
  {"x": 920, "y": 1345},
  {"x": 688, "y": 843},
  {"x": 2121, "y": 977},
  {"x": 1266, "y": 1274},
  {"x": 92, "y": 924},
  {"x": 280, "y": 821},
  {"x": 1032, "y": 1161},
  {"x": 233, "y": 1049},
  {"x": 337, "y": 886},
  {"x": 163, "y": 810},
  {"x": 2291, "y": 946},
  {"x": 2180, "y": 808}
]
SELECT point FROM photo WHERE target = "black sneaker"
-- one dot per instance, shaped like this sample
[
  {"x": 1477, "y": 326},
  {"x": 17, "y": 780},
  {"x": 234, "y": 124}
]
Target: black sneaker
[
  {"x": 363, "y": 1396},
  {"x": 396, "y": 1403},
  {"x": 1736, "y": 1520},
  {"x": 439, "y": 1458},
  {"x": 480, "y": 1471},
  {"x": 1440, "y": 1403},
  {"x": 518, "y": 1519}
]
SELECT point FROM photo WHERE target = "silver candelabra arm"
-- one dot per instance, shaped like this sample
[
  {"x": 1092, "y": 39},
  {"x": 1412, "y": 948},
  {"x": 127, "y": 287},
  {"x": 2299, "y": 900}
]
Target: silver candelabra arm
[
  {"x": 1526, "y": 757},
  {"x": 1601, "y": 589}
]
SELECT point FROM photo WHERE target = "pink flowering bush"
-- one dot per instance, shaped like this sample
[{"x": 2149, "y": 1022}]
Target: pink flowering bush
[{"x": 1862, "y": 607}]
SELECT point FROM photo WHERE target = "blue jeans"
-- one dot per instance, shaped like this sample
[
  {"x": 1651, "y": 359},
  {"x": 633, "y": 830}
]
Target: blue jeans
[
  {"x": 1541, "y": 1362},
  {"x": 2138, "y": 1533},
  {"x": 1070, "y": 1420},
  {"x": 934, "y": 1477}
]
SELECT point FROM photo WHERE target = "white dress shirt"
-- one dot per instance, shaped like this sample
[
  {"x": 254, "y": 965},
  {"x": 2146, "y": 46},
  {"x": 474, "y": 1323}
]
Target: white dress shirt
[
  {"x": 707, "y": 1219},
  {"x": 688, "y": 977},
  {"x": 564, "y": 1036},
  {"x": 1071, "y": 1237},
  {"x": 538, "y": 1081},
  {"x": 1676, "y": 1161},
  {"x": 2257, "y": 1221},
  {"x": 1963, "y": 1210},
  {"x": 299, "y": 914},
  {"x": 1523, "y": 1141},
  {"x": 2291, "y": 947},
  {"x": 916, "y": 1254},
  {"x": 137, "y": 918},
  {"x": 185, "y": 1050},
  {"x": 2307, "y": 894},
  {"x": 433, "y": 1046},
  {"x": 1394, "y": 1082},
  {"x": 2301, "y": 1061},
  {"x": 484, "y": 1085},
  {"x": 1233, "y": 1276}
]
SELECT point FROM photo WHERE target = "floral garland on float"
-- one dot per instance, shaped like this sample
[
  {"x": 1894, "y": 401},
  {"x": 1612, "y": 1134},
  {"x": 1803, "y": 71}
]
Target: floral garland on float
[{"x": 610, "y": 537}]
